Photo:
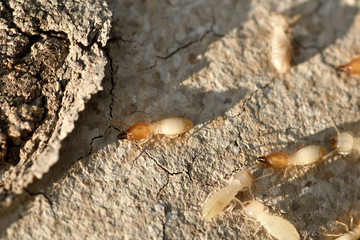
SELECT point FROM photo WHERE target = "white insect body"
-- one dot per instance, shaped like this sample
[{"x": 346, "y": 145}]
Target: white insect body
[
  {"x": 219, "y": 200},
  {"x": 276, "y": 226},
  {"x": 344, "y": 143},
  {"x": 307, "y": 155},
  {"x": 171, "y": 126},
  {"x": 281, "y": 49}
]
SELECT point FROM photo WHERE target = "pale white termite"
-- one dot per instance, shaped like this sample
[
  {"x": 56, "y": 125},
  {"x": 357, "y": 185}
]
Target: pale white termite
[
  {"x": 304, "y": 156},
  {"x": 276, "y": 226},
  {"x": 354, "y": 234},
  {"x": 169, "y": 126},
  {"x": 281, "y": 49},
  {"x": 216, "y": 203},
  {"x": 345, "y": 143}
]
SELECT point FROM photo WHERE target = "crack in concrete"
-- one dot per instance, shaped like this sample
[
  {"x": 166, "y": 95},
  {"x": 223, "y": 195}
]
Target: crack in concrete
[
  {"x": 163, "y": 187},
  {"x": 168, "y": 172},
  {"x": 150, "y": 67},
  {"x": 213, "y": 23},
  {"x": 32, "y": 194},
  {"x": 112, "y": 81},
  {"x": 121, "y": 39},
  {"x": 92, "y": 142},
  {"x": 252, "y": 94},
  {"x": 161, "y": 166},
  {"x": 186, "y": 45}
]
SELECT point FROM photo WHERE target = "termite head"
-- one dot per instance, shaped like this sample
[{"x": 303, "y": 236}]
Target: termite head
[
  {"x": 122, "y": 136},
  {"x": 275, "y": 160},
  {"x": 345, "y": 68},
  {"x": 245, "y": 177},
  {"x": 343, "y": 143},
  {"x": 253, "y": 208},
  {"x": 279, "y": 21},
  {"x": 136, "y": 132}
]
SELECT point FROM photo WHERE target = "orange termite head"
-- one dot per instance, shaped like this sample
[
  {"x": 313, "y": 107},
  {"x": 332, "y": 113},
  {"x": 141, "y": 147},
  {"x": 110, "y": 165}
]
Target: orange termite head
[
  {"x": 136, "y": 132},
  {"x": 352, "y": 67},
  {"x": 122, "y": 136},
  {"x": 345, "y": 68},
  {"x": 275, "y": 160}
]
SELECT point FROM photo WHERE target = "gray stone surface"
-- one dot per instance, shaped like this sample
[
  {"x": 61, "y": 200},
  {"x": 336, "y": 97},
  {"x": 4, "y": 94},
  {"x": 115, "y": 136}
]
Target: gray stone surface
[
  {"x": 48, "y": 72},
  {"x": 207, "y": 61}
]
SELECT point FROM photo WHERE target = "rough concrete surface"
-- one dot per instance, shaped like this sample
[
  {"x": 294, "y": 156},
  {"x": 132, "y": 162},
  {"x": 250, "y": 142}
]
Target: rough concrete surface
[
  {"x": 48, "y": 72},
  {"x": 207, "y": 61}
]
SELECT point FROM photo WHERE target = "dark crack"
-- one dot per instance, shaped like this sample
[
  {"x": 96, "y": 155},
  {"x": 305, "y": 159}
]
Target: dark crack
[
  {"x": 246, "y": 101},
  {"x": 168, "y": 172},
  {"x": 150, "y": 67},
  {"x": 213, "y": 23},
  {"x": 92, "y": 142},
  {"x": 161, "y": 166},
  {"x": 107, "y": 54},
  {"x": 185, "y": 45},
  {"x": 121, "y": 39},
  {"x": 163, "y": 187},
  {"x": 33, "y": 194}
]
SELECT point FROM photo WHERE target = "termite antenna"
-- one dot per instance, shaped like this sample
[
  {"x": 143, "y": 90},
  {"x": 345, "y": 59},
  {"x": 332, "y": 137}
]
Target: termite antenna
[
  {"x": 272, "y": 171},
  {"x": 344, "y": 53},
  {"x": 117, "y": 121},
  {"x": 239, "y": 202},
  {"x": 334, "y": 125}
]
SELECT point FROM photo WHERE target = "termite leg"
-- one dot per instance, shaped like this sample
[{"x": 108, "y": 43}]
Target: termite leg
[
  {"x": 230, "y": 207},
  {"x": 239, "y": 202},
  {"x": 257, "y": 229},
  {"x": 141, "y": 142},
  {"x": 328, "y": 155},
  {"x": 142, "y": 117},
  {"x": 331, "y": 235},
  {"x": 272, "y": 172},
  {"x": 351, "y": 222},
  {"x": 341, "y": 223},
  {"x": 286, "y": 170},
  {"x": 250, "y": 191},
  {"x": 207, "y": 198}
]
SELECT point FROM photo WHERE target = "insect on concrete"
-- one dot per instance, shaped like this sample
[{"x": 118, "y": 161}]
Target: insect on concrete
[
  {"x": 281, "y": 49},
  {"x": 217, "y": 202},
  {"x": 276, "y": 226}
]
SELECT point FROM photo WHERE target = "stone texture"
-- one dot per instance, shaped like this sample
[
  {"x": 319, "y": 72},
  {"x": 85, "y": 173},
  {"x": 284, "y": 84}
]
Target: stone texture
[
  {"x": 46, "y": 79},
  {"x": 207, "y": 61}
]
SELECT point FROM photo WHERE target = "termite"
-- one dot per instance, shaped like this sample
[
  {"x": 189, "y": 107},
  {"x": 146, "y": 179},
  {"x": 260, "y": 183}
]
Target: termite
[
  {"x": 304, "y": 156},
  {"x": 344, "y": 143},
  {"x": 354, "y": 234},
  {"x": 352, "y": 67},
  {"x": 276, "y": 226},
  {"x": 218, "y": 201},
  {"x": 281, "y": 49},
  {"x": 168, "y": 126}
]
